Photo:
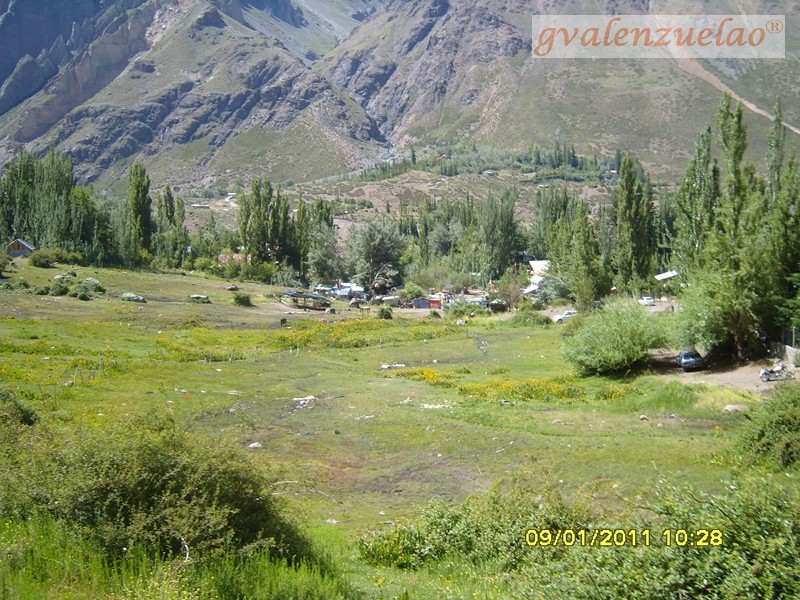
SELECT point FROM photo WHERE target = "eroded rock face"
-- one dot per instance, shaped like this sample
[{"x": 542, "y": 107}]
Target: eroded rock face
[
  {"x": 89, "y": 71},
  {"x": 428, "y": 59},
  {"x": 28, "y": 27},
  {"x": 39, "y": 38},
  {"x": 162, "y": 107}
]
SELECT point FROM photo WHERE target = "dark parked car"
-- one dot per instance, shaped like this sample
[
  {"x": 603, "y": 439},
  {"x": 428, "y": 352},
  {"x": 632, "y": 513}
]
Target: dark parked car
[{"x": 690, "y": 360}]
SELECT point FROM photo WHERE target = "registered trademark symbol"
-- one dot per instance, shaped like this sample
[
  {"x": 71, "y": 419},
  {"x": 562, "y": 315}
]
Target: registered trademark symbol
[{"x": 775, "y": 26}]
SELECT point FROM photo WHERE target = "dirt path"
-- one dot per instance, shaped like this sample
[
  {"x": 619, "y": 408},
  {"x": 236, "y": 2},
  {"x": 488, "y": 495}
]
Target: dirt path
[
  {"x": 693, "y": 67},
  {"x": 744, "y": 377}
]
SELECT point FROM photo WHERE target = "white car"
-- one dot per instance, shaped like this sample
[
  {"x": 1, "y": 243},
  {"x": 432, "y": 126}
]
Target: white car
[
  {"x": 567, "y": 314},
  {"x": 647, "y": 301}
]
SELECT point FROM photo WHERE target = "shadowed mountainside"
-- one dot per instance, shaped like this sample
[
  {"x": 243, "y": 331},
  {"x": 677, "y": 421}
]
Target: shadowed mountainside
[{"x": 213, "y": 91}]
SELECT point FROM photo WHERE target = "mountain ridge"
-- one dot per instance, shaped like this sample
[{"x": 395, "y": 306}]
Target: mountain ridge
[{"x": 213, "y": 91}]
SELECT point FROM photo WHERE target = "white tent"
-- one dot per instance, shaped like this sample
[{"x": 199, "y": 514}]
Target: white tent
[{"x": 539, "y": 267}]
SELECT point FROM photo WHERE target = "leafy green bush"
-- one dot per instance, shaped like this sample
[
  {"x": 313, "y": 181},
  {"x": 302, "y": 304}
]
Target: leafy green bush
[
  {"x": 404, "y": 546},
  {"x": 772, "y": 436},
  {"x": 527, "y": 316},
  {"x": 758, "y": 529},
  {"x": 45, "y": 258},
  {"x": 486, "y": 528},
  {"x": 82, "y": 291},
  {"x": 285, "y": 276},
  {"x": 464, "y": 309},
  {"x": 410, "y": 292},
  {"x": 202, "y": 263},
  {"x": 384, "y": 312},
  {"x": 58, "y": 289},
  {"x": 553, "y": 288},
  {"x": 91, "y": 285},
  {"x": 150, "y": 485},
  {"x": 242, "y": 299},
  {"x": 613, "y": 340}
]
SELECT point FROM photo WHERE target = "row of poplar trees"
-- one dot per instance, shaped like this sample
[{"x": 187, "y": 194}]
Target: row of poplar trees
[
  {"x": 40, "y": 203},
  {"x": 733, "y": 236}
]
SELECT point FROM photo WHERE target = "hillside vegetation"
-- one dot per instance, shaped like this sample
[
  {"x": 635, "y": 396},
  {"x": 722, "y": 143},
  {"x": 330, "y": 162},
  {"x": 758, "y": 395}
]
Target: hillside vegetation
[{"x": 207, "y": 93}]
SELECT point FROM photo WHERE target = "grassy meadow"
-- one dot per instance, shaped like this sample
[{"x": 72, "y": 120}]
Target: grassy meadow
[{"x": 346, "y": 444}]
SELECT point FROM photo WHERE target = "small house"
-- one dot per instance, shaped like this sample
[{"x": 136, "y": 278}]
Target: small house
[
  {"x": 19, "y": 248},
  {"x": 421, "y": 303}
]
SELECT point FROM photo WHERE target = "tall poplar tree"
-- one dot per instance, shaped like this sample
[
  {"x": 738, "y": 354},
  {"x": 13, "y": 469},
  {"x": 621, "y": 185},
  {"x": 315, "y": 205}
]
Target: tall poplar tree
[
  {"x": 635, "y": 245},
  {"x": 696, "y": 203},
  {"x": 255, "y": 213},
  {"x": 139, "y": 208}
]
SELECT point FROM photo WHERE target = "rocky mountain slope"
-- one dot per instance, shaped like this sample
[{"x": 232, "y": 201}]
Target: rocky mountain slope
[{"x": 209, "y": 92}]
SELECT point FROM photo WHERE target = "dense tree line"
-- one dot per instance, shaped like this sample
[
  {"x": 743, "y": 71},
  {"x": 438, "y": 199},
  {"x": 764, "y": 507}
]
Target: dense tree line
[
  {"x": 737, "y": 237},
  {"x": 40, "y": 203},
  {"x": 732, "y": 234}
]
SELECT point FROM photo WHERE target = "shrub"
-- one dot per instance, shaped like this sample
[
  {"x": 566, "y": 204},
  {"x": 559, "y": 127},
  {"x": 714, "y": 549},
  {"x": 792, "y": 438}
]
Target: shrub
[
  {"x": 384, "y": 312},
  {"x": 90, "y": 284},
  {"x": 150, "y": 485},
  {"x": 58, "y": 289},
  {"x": 536, "y": 304},
  {"x": 434, "y": 314},
  {"x": 202, "y": 263},
  {"x": 486, "y": 528},
  {"x": 14, "y": 410},
  {"x": 756, "y": 557},
  {"x": 46, "y": 257},
  {"x": 404, "y": 546},
  {"x": 43, "y": 259},
  {"x": 772, "y": 436},
  {"x": 553, "y": 288},
  {"x": 527, "y": 316},
  {"x": 264, "y": 272},
  {"x": 612, "y": 340},
  {"x": 285, "y": 277},
  {"x": 81, "y": 291},
  {"x": 464, "y": 309},
  {"x": 242, "y": 299},
  {"x": 411, "y": 291}
]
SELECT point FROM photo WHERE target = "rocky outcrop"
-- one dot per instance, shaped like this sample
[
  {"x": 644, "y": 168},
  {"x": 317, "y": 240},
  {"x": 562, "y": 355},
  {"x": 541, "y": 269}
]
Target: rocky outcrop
[
  {"x": 29, "y": 27},
  {"x": 269, "y": 93},
  {"x": 34, "y": 46},
  {"x": 80, "y": 48},
  {"x": 123, "y": 37},
  {"x": 283, "y": 10},
  {"x": 428, "y": 58}
]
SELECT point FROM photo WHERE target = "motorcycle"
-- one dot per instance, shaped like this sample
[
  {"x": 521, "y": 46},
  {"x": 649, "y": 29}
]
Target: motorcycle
[{"x": 776, "y": 373}]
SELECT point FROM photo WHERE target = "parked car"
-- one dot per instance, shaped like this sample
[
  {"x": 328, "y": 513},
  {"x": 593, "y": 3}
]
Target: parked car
[
  {"x": 567, "y": 314},
  {"x": 690, "y": 360},
  {"x": 647, "y": 301}
]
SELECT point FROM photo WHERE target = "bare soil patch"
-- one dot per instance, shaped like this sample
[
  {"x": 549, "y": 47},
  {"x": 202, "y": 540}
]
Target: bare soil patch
[{"x": 743, "y": 377}]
